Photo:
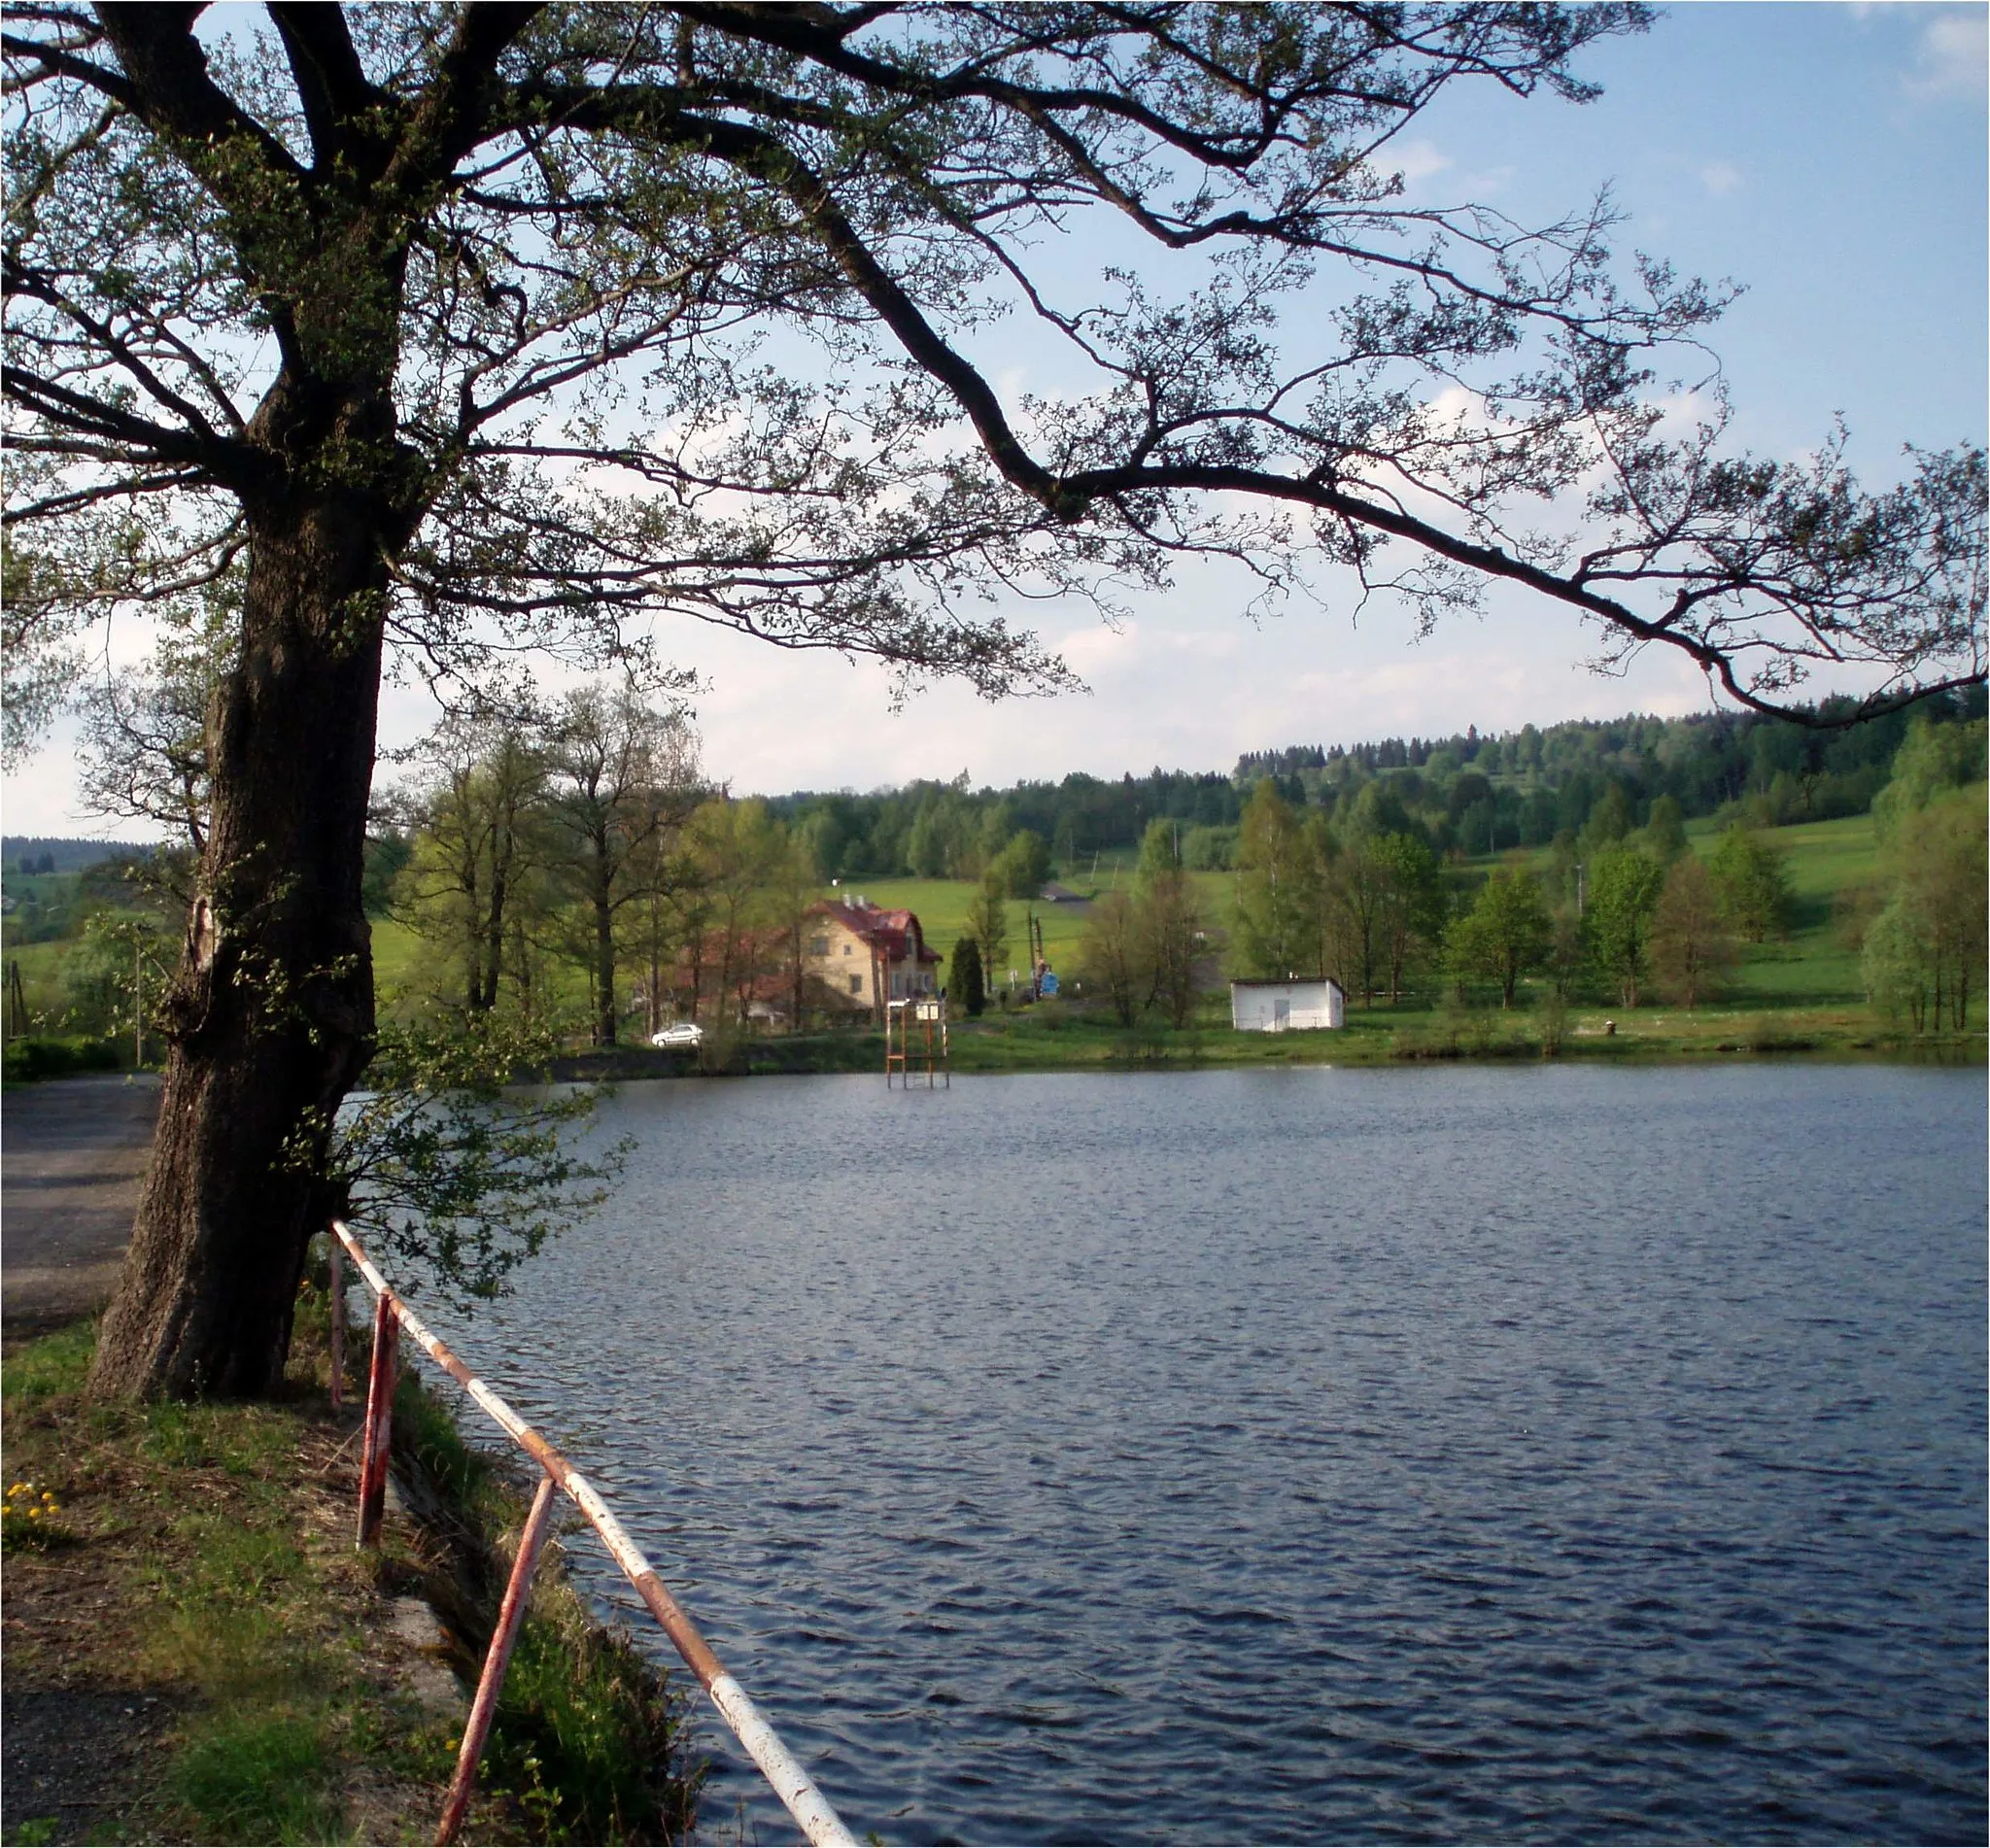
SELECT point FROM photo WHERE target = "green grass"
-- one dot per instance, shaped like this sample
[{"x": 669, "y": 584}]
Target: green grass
[
  {"x": 1055, "y": 1036},
  {"x": 1815, "y": 965},
  {"x": 42, "y": 967},
  {"x": 396, "y": 953},
  {"x": 257, "y": 1776},
  {"x": 226, "y": 1528}
]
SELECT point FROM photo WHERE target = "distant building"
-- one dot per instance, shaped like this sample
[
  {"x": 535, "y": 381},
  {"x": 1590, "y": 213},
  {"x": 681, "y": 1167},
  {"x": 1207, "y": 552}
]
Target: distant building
[
  {"x": 1296, "y": 1005},
  {"x": 863, "y": 956}
]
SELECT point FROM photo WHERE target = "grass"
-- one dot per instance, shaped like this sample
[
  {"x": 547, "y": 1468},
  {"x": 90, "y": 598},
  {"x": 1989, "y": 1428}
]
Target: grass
[
  {"x": 1055, "y": 1035},
  {"x": 258, "y": 1776},
  {"x": 242, "y": 1605}
]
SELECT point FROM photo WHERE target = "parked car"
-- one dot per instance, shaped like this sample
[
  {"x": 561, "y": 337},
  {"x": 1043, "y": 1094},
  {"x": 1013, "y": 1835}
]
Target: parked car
[{"x": 685, "y": 1033}]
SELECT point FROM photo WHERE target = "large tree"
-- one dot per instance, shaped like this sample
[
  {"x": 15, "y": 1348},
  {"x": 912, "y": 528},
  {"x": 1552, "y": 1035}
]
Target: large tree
[
  {"x": 442, "y": 321},
  {"x": 623, "y": 774}
]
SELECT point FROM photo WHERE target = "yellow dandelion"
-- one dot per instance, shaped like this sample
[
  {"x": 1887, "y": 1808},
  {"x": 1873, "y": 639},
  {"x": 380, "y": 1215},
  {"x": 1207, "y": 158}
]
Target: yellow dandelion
[{"x": 34, "y": 1514}]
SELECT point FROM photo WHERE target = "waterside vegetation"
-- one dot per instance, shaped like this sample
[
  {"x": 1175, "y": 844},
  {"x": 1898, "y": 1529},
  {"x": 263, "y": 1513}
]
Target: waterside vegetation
[{"x": 285, "y": 1695}]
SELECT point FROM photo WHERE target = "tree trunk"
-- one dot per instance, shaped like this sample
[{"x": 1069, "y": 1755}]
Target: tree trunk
[
  {"x": 271, "y": 1014},
  {"x": 656, "y": 969},
  {"x": 473, "y": 947},
  {"x": 604, "y": 958},
  {"x": 494, "y": 929}
]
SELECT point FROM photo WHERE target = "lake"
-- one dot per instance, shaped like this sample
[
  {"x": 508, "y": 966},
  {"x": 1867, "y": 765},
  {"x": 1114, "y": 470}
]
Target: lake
[{"x": 1562, "y": 1453}]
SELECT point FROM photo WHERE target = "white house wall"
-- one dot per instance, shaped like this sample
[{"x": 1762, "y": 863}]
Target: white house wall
[{"x": 1314, "y": 1006}]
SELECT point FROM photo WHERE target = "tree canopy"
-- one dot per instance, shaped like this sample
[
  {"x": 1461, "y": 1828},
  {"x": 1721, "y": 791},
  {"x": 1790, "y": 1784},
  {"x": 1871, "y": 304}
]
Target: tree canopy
[{"x": 541, "y": 285}]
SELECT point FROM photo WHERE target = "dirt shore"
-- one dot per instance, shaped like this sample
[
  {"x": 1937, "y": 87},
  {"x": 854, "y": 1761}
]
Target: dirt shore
[{"x": 72, "y": 1155}]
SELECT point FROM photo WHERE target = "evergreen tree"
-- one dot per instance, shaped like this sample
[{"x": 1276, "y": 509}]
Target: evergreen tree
[
  {"x": 1924, "y": 952},
  {"x": 1664, "y": 833},
  {"x": 965, "y": 987},
  {"x": 1412, "y": 908},
  {"x": 1751, "y": 881}
]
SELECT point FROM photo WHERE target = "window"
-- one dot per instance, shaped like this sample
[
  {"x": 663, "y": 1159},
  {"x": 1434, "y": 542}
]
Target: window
[
  {"x": 818, "y": 947},
  {"x": 847, "y": 951},
  {"x": 856, "y": 983}
]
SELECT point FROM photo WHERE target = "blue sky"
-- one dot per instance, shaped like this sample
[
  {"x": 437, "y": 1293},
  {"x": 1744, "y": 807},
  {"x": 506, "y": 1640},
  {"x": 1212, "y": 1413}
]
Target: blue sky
[{"x": 1831, "y": 159}]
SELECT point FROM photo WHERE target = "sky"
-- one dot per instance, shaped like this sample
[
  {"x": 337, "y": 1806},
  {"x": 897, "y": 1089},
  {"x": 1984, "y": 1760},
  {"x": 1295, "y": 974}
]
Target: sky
[{"x": 1830, "y": 158}]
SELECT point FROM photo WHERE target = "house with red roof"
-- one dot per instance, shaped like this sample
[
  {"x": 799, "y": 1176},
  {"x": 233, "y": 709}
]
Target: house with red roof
[{"x": 864, "y": 955}]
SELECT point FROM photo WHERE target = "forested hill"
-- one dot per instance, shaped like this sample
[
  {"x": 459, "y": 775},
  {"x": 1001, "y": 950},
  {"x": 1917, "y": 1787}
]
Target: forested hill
[
  {"x": 50, "y": 853},
  {"x": 1470, "y": 793}
]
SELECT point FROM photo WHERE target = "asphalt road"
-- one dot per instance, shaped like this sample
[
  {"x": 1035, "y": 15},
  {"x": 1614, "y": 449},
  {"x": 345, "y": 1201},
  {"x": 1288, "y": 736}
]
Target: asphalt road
[{"x": 71, "y": 1154}]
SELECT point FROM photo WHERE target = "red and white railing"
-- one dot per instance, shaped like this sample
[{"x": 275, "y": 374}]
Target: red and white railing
[{"x": 792, "y": 1785}]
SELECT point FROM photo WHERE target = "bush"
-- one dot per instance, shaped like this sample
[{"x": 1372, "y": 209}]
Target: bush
[
  {"x": 1208, "y": 849},
  {"x": 29, "y": 1061}
]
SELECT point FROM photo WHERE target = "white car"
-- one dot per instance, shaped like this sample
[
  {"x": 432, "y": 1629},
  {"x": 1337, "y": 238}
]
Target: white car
[{"x": 686, "y": 1033}]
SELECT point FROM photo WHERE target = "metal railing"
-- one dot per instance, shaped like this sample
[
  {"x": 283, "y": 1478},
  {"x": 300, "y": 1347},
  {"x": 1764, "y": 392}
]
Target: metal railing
[{"x": 807, "y": 1805}]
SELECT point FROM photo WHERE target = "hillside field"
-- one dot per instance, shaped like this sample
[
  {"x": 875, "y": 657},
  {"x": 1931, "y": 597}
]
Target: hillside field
[{"x": 1812, "y": 967}]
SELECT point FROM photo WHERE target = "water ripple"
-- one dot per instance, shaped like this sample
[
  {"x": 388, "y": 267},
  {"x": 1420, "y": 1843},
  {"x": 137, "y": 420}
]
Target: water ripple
[{"x": 1307, "y": 1455}]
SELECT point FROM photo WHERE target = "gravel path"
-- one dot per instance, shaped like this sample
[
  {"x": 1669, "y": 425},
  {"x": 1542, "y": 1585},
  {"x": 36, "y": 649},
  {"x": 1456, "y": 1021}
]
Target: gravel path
[{"x": 71, "y": 1154}]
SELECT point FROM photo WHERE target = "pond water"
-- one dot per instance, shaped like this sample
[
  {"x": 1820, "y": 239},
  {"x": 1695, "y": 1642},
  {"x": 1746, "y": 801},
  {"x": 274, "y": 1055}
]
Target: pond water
[{"x": 1552, "y": 1454}]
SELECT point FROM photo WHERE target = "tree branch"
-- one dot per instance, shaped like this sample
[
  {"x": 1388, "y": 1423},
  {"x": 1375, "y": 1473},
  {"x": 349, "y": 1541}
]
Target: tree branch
[{"x": 325, "y": 65}]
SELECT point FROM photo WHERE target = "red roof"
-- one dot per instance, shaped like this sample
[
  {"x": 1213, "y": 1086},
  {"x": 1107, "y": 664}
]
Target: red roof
[{"x": 887, "y": 932}]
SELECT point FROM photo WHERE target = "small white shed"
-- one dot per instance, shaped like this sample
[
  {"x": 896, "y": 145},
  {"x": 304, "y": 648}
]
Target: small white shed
[{"x": 1295, "y": 1005}]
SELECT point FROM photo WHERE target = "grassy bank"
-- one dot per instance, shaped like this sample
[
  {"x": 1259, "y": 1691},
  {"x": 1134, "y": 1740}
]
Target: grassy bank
[
  {"x": 194, "y": 1593},
  {"x": 1057, "y": 1037},
  {"x": 1054, "y": 1039}
]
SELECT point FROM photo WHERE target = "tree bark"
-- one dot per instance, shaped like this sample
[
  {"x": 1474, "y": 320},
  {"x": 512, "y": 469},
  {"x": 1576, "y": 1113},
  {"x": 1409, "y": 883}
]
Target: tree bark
[
  {"x": 270, "y": 1016},
  {"x": 604, "y": 949},
  {"x": 486, "y": 997}
]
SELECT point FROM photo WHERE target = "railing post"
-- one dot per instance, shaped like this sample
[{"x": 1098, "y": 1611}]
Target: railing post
[
  {"x": 510, "y": 1620},
  {"x": 338, "y": 1322},
  {"x": 380, "y": 1385}
]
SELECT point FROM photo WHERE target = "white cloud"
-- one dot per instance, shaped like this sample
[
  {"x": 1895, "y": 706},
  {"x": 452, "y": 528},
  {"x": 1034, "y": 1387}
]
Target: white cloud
[
  {"x": 1952, "y": 57},
  {"x": 1720, "y": 177},
  {"x": 1418, "y": 161}
]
